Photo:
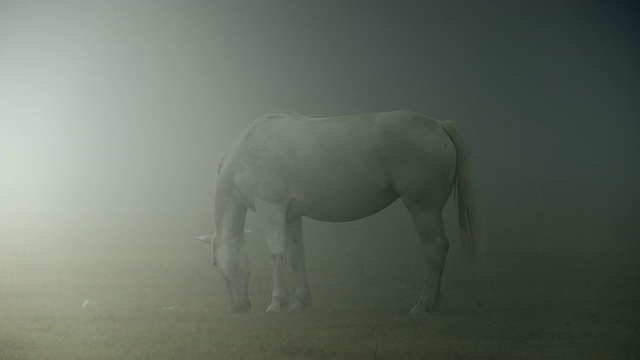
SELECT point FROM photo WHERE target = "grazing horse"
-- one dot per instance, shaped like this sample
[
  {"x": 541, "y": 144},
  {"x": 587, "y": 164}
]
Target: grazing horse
[{"x": 285, "y": 166}]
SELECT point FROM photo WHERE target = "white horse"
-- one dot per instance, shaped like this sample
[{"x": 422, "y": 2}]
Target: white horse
[{"x": 285, "y": 166}]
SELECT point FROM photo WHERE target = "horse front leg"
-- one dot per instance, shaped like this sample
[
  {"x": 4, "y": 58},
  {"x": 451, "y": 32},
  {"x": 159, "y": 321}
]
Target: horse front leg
[
  {"x": 296, "y": 256},
  {"x": 272, "y": 219}
]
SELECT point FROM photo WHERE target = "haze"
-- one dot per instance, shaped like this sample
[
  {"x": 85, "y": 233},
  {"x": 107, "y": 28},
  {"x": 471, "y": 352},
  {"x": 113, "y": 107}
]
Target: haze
[{"x": 113, "y": 116}]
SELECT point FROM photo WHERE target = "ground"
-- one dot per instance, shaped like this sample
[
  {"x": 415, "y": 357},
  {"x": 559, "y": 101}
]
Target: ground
[{"x": 157, "y": 296}]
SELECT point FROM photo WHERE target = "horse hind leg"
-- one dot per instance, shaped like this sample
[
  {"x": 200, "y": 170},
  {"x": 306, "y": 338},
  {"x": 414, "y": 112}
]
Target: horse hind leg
[
  {"x": 296, "y": 256},
  {"x": 435, "y": 244}
]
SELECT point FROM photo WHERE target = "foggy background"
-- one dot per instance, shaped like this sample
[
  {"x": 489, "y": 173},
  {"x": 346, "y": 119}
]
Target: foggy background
[{"x": 113, "y": 115}]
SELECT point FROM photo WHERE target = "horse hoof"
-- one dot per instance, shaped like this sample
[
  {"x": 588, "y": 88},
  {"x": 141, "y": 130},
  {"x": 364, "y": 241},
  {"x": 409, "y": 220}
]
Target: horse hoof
[
  {"x": 274, "y": 308},
  {"x": 297, "y": 306},
  {"x": 418, "y": 311}
]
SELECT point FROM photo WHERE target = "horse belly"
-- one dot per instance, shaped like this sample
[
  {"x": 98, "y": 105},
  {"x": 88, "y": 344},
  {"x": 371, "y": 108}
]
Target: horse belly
[{"x": 341, "y": 203}]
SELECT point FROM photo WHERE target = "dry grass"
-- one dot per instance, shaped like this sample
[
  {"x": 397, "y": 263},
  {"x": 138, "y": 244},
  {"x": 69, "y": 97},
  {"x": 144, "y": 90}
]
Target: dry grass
[{"x": 534, "y": 307}]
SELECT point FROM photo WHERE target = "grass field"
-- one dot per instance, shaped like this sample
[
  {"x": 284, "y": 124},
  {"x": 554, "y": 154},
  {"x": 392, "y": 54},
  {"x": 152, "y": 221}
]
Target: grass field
[{"x": 158, "y": 297}]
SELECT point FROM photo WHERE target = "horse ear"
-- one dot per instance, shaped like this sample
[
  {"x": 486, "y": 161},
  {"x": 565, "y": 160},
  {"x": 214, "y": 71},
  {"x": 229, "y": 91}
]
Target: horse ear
[{"x": 207, "y": 239}]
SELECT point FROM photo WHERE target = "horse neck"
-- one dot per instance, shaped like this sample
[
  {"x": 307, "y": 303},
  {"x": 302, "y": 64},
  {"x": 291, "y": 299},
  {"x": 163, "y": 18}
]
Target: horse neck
[{"x": 230, "y": 214}]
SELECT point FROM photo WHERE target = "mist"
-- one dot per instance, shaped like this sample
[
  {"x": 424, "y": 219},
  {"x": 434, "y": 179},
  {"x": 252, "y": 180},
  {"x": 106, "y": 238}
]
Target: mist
[{"x": 114, "y": 115}]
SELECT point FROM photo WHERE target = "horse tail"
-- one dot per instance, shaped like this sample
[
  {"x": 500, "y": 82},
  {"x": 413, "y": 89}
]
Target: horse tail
[{"x": 462, "y": 190}]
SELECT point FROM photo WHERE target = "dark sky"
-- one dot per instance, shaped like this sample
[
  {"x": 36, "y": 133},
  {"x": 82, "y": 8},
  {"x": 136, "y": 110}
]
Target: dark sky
[{"x": 109, "y": 109}]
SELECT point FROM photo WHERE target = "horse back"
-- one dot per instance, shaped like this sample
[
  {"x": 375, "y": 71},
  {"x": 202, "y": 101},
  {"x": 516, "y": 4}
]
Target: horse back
[{"x": 318, "y": 164}]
